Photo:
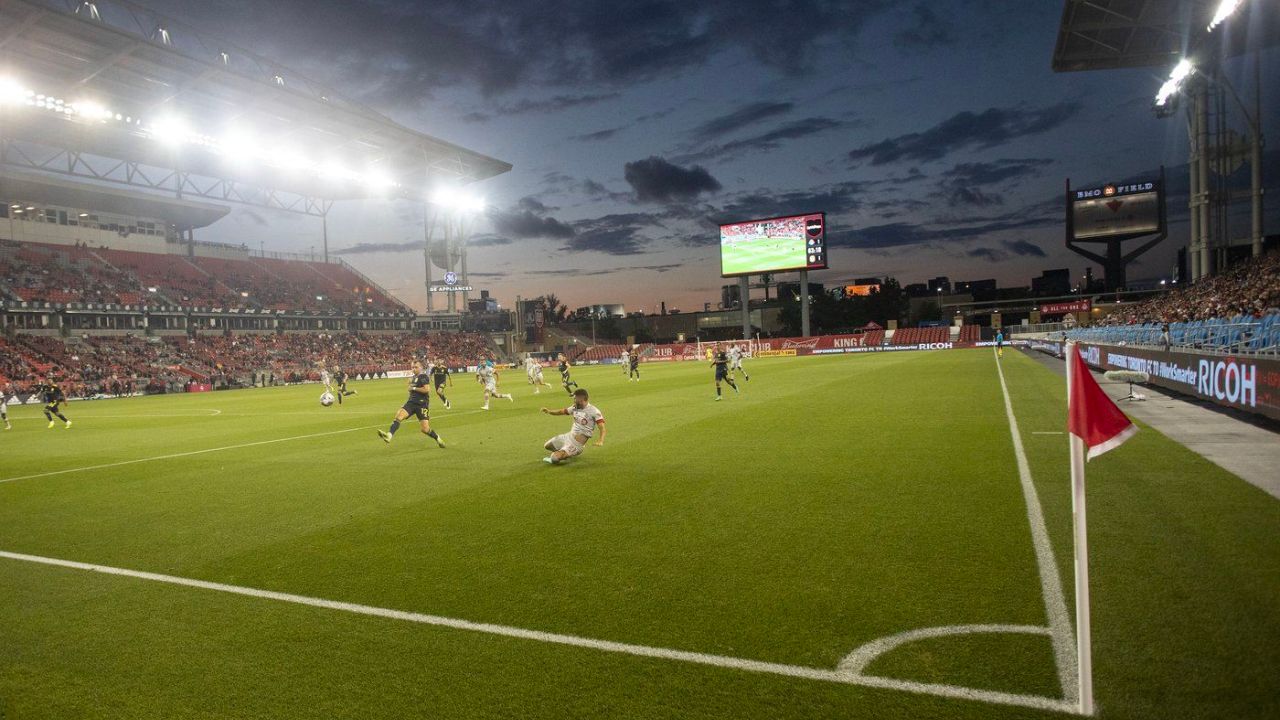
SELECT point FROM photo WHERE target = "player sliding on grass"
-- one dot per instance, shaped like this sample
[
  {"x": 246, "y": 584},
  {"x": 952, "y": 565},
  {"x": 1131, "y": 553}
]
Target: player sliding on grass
[
  {"x": 586, "y": 418},
  {"x": 489, "y": 378},
  {"x": 418, "y": 405},
  {"x": 721, "y": 363}
]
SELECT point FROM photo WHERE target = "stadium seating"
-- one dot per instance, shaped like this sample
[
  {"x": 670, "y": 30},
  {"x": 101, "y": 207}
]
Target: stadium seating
[
  {"x": 1235, "y": 334},
  {"x": 111, "y": 365},
  {"x": 915, "y": 336},
  {"x": 970, "y": 333},
  {"x": 76, "y": 274}
]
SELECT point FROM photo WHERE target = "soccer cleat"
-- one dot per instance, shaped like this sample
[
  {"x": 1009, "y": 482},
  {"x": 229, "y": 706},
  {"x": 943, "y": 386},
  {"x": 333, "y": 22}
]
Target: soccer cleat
[
  {"x": 68, "y": 424},
  {"x": 447, "y": 405},
  {"x": 50, "y": 424},
  {"x": 719, "y": 398},
  {"x": 386, "y": 436},
  {"x": 439, "y": 440},
  {"x": 485, "y": 406},
  {"x": 548, "y": 461},
  {"x": 511, "y": 397}
]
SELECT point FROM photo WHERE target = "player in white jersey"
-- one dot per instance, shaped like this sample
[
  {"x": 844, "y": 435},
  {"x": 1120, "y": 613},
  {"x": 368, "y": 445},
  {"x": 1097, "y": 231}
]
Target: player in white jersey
[
  {"x": 735, "y": 361},
  {"x": 533, "y": 369},
  {"x": 587, "y": 418},
  {"x": 489, "y": 378},
  {"x": 4, "y": 406},
  {"x": 326, "y": 380},
  {"x": 626, "y": 362}
]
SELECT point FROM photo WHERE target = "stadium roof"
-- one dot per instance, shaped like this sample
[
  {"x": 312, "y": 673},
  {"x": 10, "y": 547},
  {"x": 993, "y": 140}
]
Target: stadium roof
[
  {"x": 183, "y": 214},
  {"x": 1113, "y": 34},
  {"x": 143, "y": 65}
]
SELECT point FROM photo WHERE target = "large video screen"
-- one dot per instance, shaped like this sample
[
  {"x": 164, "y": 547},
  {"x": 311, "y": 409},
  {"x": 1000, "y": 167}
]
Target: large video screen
[
  {"x": 771, "y": 245},
  {"x": 1115, "y": 211}
]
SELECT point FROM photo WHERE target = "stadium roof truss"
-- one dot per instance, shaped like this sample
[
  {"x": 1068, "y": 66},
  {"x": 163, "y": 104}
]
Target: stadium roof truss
[{"x": 142, "y": 64}]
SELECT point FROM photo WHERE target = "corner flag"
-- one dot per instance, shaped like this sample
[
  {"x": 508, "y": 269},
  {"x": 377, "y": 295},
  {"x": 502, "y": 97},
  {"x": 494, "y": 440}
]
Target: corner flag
[
  {"x": 1092, "y": 415},
  {"x": 1096, "y": 425}
]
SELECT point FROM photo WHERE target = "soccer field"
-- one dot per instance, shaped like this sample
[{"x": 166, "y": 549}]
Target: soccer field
[
  {"x": 250, "y": 554},
  {"x": 752, "y": 254}
]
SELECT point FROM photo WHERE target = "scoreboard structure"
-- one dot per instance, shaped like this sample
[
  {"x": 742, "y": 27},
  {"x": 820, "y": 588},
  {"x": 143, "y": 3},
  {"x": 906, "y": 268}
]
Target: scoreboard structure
[{"x": 1108, "y": 215}]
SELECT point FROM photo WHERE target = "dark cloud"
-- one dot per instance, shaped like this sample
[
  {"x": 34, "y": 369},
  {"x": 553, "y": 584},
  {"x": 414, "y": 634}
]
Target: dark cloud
[
  {"x": 836, "y": 199},
  {"x": 397, "y": 54},
  {"x": 971, "y": 197},
  {"x": 769, "y": 140},
  {"x": 899, "y": 234},
  {"x": 599, "y": 135},
  {"x": 525, "y": 223},
  {"x": 986, "y": 253},
  {"x": 740, "y": 118},
  {"x": 986, "y": 129},
  {"x": 925, "y": 30},
  {"x": 656, "y": 180},
  {"x": 1024, "y": 248},
  {"x": 555, "y": 103},
  {"x": 488, "y": 241},
  {"x": 991, "y": 173},
  {"x": 367, "y": 248},
  {"x": 614, "y": 234}
]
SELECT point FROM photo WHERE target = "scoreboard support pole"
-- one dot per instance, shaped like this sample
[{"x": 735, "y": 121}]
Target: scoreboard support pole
[
  {"x": 804, "y": 303},
  {"x": 744, "y": 290}
]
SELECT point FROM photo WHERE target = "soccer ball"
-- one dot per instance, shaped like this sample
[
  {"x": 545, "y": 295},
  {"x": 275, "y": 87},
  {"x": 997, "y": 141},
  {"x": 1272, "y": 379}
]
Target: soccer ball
[{"x": 326, "y": 399}]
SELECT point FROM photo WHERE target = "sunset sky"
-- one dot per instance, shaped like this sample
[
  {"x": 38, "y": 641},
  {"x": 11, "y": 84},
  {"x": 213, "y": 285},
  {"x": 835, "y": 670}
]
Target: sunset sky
[{"x": 934, "y": 135}]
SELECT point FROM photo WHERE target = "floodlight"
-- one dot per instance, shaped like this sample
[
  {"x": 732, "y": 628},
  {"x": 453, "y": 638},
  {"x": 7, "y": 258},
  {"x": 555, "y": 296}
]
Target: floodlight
[
  {"x": 91, "y": 110},
  {"x": 334, "y": 170},
  {"x": 473, "y": 204},
  {"x": 169, "y": 130},
  {"x": 1225, "y": 9},
  {"x": 1170, "y": 86},
  {"x": 239, "y": 146},
  {"x": 377, "y": 180},
  {"x": 288, "y": 158},
  {"x": 444, "y": 195}
]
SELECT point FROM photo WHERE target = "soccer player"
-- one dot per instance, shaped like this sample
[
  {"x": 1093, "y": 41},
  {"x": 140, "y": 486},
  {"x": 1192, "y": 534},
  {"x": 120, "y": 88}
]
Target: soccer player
[
  {"x": 533, "y": 369},
  {"x": 735, "y": 361},
  {"x": 721, "y": 363},
  {"x": 564, "y": 374},
  {"x": 634, "y": 364},
  {"x": 489, "y": 378},
  {"x": 325, "y": 378},
  {"x": 4, "y": 406},
  {"x": 53, "y": 398},
  {"x": 999, "y": 343},
  {"x": 586, "y": 418},
  {"x": 418, "y": 405},
  {"x": 439, "y": 376},
  {"x": 340, "y": 380},
  {"x": 626, "y": 361}
]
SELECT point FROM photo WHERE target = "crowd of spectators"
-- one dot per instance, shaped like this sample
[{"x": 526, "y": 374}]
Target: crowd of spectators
[
  {"x": 1250, "y": 289},
  {"x": 89, "y": 366},
  {"x": 80, "y": 274}
]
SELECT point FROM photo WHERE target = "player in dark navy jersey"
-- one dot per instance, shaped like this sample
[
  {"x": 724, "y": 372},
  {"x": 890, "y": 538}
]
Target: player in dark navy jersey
[
  {"x": 417, "y": 406},
  {"x": 439, "y": 376},
  {"x": 340, "y": 378},
  {"x": 564, "y": 375},
  {"x": 53, "y": 398},
  {"x": 720, "y": 361}
]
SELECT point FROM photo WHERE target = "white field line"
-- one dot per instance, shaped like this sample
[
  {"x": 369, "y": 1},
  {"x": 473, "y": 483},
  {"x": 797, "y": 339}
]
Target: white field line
[
  {"x": 858, "y": 660},
  {"x": 1055, "y": 603},
  {"x": 722, "y": 661},
  {"x": 206, "y": 450},
  {"x": 1046, "y": 432}
]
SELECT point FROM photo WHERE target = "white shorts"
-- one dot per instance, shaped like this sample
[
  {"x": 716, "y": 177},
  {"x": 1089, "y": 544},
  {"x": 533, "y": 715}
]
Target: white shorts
[
  {"x": 491, "y": 387},
  {"x": 567, "y": 443},
  {"x": 535, "y": 375}
]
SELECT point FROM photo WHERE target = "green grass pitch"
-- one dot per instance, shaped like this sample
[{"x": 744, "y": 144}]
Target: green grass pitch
[
  {"x": 836, "y": 501},
  {"x": 763, "y": 253}
]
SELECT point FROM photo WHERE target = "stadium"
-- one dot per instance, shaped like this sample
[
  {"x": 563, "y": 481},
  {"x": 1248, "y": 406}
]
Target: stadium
[{"x": 827, "y": 493}]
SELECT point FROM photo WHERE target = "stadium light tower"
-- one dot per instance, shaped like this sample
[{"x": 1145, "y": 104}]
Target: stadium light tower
[{"x": 449, "y": 211}]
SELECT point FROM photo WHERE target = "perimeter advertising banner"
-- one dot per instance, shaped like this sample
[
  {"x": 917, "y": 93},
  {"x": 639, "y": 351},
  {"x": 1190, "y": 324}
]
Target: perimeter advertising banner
[
  {"x": 1248, "y": 384},
  {"x": 1061, "y": 308}
]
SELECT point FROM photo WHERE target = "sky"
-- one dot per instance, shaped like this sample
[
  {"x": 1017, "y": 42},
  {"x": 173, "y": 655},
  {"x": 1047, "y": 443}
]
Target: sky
[{"x": 933, "y": 134}]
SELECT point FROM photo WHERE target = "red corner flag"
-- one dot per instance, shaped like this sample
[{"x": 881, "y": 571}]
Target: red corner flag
[{"x": 1092, "y": 415}]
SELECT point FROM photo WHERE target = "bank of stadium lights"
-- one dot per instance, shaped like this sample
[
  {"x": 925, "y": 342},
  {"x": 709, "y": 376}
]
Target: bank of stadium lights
[
  {"x": 455, "y": 199},
  {"x": 1180, "y": 72},
  {"x": 173, "y": 131},
  {"x": 1224, "y": 11}
]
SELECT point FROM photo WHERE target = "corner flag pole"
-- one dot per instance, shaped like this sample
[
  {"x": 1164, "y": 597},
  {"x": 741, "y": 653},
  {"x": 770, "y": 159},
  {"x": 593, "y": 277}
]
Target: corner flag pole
[{"x": 1084, "y": 640}]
